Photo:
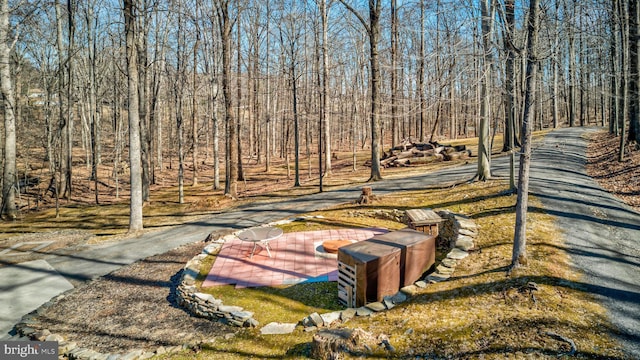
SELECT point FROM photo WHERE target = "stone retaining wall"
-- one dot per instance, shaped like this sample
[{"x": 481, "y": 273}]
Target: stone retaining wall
[{"x": 205, "y": 305}]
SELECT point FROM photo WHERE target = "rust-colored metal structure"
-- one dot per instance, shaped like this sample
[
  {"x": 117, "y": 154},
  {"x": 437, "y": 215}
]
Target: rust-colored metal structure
[
  {"x": 418, "y": 252},
  {"x": 367, "y": 272},
  {"x": 372, "y": 269}
]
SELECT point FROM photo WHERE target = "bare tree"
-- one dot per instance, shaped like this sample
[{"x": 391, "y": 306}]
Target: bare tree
[
  {"x": 484, "y": 144},
  {"x": 372, "y": 27},
  {"x": 510, "y": 138},
  {"x": 9, "y": 175},
  {"x": 394, "y": 73},
  {"x": 519, "y": 254},
  {"x": 634, "y": 72},
  {"x": 135, "y": 162},
  {"x": 194, "y": 103},
  {"x": 142, "y": 34},
  {"x": 324, "y": 96},
  {"x": 225, "y": 22},
  {"x": 290, "y": 35},
  {"x": 421, "y": 75}
]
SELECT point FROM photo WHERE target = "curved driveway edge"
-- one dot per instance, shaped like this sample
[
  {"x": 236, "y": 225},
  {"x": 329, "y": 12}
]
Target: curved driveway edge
[{"x": 602, "y": 234}]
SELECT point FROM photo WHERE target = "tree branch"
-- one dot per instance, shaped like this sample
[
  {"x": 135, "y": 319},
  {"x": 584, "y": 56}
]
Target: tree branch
[{"x": 358, "y": 15}]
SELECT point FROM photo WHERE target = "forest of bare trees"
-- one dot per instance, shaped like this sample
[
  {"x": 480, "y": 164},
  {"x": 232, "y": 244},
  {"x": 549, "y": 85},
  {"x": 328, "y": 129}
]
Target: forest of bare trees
[{"x": 138, "y": 83}]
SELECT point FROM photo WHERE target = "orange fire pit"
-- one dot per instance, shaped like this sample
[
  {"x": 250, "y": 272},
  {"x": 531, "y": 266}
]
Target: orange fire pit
[{"x": 332, "y": 246}]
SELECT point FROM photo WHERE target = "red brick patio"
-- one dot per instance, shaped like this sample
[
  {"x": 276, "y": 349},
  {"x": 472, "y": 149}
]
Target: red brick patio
[{"x": 296, "y": 258}]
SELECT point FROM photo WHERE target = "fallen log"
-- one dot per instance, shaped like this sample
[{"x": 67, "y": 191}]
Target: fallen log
[
  {"x": 405, "y": 154},
  {"x": 386, "y": 162},
  {"x": 460, "y": 155},
  {"x": 425, "y": 159},
  {"x": 401, "y": 162}
]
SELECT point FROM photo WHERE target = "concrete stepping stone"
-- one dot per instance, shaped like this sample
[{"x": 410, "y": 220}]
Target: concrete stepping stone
[{"x": 277, "y": 328}]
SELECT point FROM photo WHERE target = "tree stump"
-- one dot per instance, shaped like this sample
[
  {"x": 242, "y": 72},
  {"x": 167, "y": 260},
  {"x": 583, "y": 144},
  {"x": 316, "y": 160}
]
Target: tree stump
[
  {"x": 366, "y": 197},
  {"x": 333, "y": 344}
]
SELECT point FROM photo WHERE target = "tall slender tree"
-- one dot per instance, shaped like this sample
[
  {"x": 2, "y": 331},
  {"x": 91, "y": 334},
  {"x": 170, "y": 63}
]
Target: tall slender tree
[
  {"x": 324, "y": 96},
  {"x": 9, "y": 175},
  {"x": 135, "y": 163},
  {"x": 225, "y": 22},
  {"x": 484, "y": 142},
  {"x": 634, "y": 72},
  {"x": 519, "y": 254},
  {"x": 372, "y": 27}
]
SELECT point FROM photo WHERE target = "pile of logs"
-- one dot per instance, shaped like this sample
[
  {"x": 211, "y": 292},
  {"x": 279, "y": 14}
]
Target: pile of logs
[{"x": 410, "y": 153}]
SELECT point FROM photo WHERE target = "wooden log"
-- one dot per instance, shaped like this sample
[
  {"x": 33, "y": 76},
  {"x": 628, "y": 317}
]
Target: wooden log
[
  {"x": 405, "y": 154},
  {"x": 386, "y": 162},
  {"x": 402, "y": 162},
  {"x": 424, "y": 146},
  {"x": 424, "y": 153},
  {"x": 459, "y": 155},
  {"x": 426, "y": 159},
  {"x": 448, "y": 150}
]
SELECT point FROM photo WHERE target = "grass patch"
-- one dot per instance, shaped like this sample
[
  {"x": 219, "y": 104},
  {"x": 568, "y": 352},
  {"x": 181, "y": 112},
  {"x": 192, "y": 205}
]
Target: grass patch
[{"x": 479, "y": 313}]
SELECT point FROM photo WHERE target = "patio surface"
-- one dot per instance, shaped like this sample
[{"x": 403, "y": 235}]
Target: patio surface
[{"x": 296, "y": 258}]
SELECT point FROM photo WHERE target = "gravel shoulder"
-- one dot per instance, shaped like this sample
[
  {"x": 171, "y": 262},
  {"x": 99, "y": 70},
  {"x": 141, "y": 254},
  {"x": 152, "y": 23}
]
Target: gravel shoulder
[{"x": 132, "y": 308}]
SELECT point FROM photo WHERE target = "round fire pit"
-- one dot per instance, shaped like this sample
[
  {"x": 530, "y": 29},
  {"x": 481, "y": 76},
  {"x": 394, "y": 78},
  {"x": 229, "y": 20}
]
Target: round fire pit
[{"x": 332, "y": 246}]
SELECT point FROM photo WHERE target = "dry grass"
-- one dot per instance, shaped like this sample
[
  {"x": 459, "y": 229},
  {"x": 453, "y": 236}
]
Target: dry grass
[{"x": 479, "y": 313}]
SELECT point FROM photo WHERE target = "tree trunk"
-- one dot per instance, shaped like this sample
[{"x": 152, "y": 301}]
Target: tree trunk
[
  {"x": 394, "y": 74},
  {"x": 225, "y": 23},
  {"x": 194, "y": 113},
  {"x": 326, "y": 122},
  {"x": 70, "y": 101},
  {"x": 296, "y": 120},
  {"x": 623, "y": 93},
  {"x": 510, "y": 138},
  {"x": 572, "y": 68},
  {"x": 421, "y": 72},
  {"x": 9, "y": 175},
  {"x": 94, "y": 114},
  {"x": 373, "y": 30},
  {"x": 135, "y": 215},
  {"x": 484, "y": 145},
  {"x": 634, "y": 74},
  {"x": 519, "y": 254},
  {"x": 141, "y": 38}
]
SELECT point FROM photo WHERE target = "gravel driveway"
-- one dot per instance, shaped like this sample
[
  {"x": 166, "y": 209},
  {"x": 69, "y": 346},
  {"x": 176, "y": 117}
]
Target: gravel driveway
[{"x": 602, "y": 234}]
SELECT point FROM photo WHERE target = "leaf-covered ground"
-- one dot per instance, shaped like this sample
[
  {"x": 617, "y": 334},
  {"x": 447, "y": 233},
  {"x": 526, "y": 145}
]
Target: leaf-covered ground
[{"x": 621, "y": 178}]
